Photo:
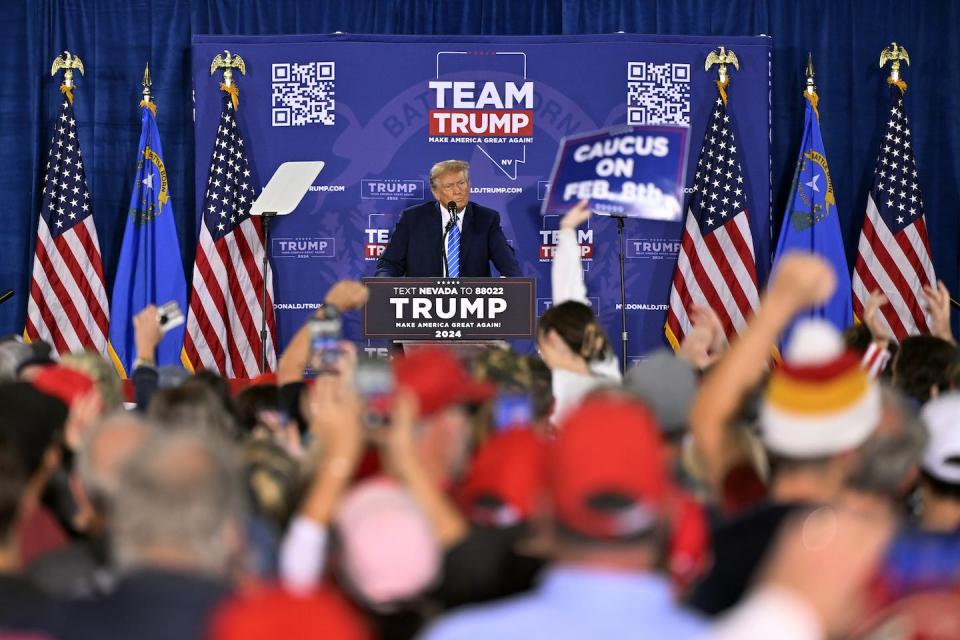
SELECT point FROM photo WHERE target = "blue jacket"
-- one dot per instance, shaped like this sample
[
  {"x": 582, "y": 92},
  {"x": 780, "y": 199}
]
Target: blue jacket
[{"x": 416, "y": 246}]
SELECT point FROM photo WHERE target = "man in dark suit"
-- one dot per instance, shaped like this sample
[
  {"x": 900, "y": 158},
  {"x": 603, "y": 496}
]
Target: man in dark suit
[{"x": 430, "y": 242}]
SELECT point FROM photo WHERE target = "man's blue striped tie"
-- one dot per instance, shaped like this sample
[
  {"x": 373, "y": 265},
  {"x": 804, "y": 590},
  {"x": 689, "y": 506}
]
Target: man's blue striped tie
[{"x": 453, "y": 251}]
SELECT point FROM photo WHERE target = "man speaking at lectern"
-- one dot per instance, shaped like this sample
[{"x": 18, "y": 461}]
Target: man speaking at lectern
[{"x": 449, "y": 236}]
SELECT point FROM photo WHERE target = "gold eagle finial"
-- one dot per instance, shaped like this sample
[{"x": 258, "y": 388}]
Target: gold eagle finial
[
  {"x": 69, "y": 62},
  {"x": 722, "y": 58},
  {"x": 228, "y": 63},
  {"x": 894, "y": 54}
]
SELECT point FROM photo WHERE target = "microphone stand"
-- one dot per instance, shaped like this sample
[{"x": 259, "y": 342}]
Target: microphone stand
[
  {"x": 267, "y": 215},
  {"x": 623, "y": 296}
]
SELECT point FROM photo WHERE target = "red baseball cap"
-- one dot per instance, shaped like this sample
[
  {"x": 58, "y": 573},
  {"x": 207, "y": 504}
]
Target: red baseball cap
[
  {"x": 63, "y": 382},
  {"x": 608, "y": 478},
  {"x": 506, "y": 480},
  {"x": 275, "y": 613},
  {"x": 438, "y": 379}
]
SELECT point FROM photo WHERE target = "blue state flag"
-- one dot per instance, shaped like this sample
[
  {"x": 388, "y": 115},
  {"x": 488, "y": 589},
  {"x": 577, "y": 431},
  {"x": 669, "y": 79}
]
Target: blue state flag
[
  {"x": 810, "y": 223},
  {"x": 150, "y": 270}
]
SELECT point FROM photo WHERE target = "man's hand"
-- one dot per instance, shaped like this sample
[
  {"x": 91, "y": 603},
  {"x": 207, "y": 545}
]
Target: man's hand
[
  {"x": 938, "y": 306},
  {"x": 146, "y": 333},
  {"x": 576, "y": 216},
  {"x": 399, "y": 442},
  {"x": 874, "y": 319},
  {"x": 801, "y": 281},
  {"x": 85, "y": 410},
  {"x": 335, "y": 412},
  {"x": 347, "y": 295},
  {"x": 707, "y": 341},
  {"x": 695, "y": 348},
  {"x": 399, "y": 452},
  {"x": 335, "y": 422}
]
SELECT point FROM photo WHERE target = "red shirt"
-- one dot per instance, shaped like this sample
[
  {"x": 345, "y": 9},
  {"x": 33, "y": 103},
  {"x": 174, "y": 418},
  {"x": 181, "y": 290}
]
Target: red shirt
[{"x": 39, "y": 533}]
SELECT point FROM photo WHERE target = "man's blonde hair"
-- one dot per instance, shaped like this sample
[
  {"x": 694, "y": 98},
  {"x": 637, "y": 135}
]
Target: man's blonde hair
[{"x": 449, "y": 166}]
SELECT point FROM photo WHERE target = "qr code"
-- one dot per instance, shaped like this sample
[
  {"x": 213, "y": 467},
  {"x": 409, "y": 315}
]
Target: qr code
[
  {"x": 658, "y": 93},
  {"x": 303, "y": 94}
]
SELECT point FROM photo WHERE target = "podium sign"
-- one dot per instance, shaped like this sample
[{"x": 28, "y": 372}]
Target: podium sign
[{"x": 450, "y": 308}]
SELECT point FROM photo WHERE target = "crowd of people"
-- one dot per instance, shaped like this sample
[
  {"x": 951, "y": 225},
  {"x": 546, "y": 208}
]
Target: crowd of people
[{"x": 729, "y": 490}]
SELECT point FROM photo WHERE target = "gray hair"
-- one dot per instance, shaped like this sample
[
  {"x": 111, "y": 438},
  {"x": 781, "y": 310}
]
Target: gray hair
[
  {"x": 891, "y": 454},
  {"x": 449, "y": 166},
  {"x": 181, "y": 494},
  {"x": 12, "y": 353},
  {"x": 104, "y": 451},
  {"x": 192, "y": 408}
]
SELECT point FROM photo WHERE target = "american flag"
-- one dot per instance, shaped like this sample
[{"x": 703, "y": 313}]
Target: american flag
[
  {"x": 893, "y": 255},
  {"x": 716, "y": 266},
  {"x": 68, "y": 305},
  {"x": 223, "y": 323}
]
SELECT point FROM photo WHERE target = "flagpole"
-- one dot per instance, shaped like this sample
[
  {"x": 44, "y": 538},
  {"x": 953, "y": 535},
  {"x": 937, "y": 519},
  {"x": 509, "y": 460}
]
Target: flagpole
[
  {"x": 266, "y": 215},
  {"x": 228, "y": 63}
]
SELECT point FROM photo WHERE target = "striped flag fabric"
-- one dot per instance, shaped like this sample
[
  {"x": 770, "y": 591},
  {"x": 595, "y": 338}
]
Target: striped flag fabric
[
  {"x": 716, "y": 266},
  {"x": 893, "y": 254},
  {"x": 68, "y": 305},
  {"x": 223, "y": 321}
]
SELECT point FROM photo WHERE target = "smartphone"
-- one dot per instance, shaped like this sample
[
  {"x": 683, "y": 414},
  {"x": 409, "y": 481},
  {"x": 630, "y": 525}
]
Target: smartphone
[
  {"x": 512, "y": 410},
  {"x": 325, "y": 334},
  {"x": 169, "y": 315},
  {"x": 374, "y": 382}
]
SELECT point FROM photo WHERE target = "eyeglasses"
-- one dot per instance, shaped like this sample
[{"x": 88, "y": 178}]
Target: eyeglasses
[{"x": 447, "y": 188}]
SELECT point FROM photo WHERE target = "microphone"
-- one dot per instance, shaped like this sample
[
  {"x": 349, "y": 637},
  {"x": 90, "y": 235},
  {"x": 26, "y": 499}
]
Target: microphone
[
  {"x": 6, "y": 295},
  {"x": 452, "y": 208}
]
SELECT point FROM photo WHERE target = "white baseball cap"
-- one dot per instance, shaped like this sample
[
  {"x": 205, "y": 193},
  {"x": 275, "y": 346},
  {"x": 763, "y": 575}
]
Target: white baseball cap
[{"x": 942, "y": 456}]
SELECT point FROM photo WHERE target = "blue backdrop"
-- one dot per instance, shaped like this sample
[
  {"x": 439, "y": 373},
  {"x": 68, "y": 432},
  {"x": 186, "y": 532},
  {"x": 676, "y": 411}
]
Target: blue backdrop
[
  {"x": 364, "y": 105},
  {"x": 115, "y": 39}
]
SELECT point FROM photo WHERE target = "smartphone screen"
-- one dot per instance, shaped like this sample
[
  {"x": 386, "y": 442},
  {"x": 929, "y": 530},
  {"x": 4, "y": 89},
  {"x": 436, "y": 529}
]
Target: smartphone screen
[
  {"x": 325, "y": 343},
  {"x": 374, "y": 382},
  {"x": 512, "y": 410}
]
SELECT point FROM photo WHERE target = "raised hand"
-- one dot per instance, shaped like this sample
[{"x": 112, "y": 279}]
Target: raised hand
[
  {"x": 347, "y": 295},
  {"x": 938, "y": 307},
  {"x": 576, "y": 216},
  {"x": 801, "y": 281},
  {"x": 146, "y": 333},
  {"x": 874, "y": 319},
  {"x": 336, "y": 412}
]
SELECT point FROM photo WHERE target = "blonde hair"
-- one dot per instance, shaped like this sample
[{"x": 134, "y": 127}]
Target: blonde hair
[
  {"x": 449, "y": 166},
  {"x": 102, "y": 372}
]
